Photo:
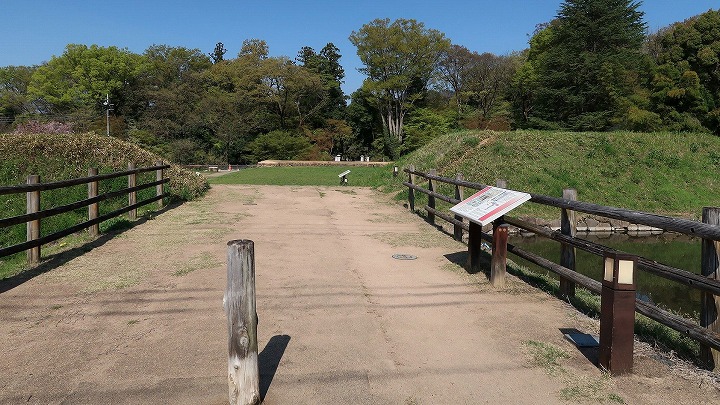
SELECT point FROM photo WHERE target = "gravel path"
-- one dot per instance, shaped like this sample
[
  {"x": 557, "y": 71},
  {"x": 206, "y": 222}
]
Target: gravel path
[{"x": 138, "y": 319}]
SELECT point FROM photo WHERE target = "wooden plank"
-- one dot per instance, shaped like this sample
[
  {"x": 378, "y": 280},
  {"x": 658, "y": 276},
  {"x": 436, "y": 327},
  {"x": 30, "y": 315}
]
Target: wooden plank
[
  {"x": 684, "y": 226},
  {"x": 411, "y": 190},
  {"x": 72, "y": 182},
  {"x": 499, "y": 254},
  {"x": 431, "y": 198},
  {"x": 240, "y": 307},
  {"x": 459, "y": 195},
  {"x": 33, "y": 227},
  {"x": 662, "y": 270},
  {"x": 568, "y": 227},
  {"x": 21, "y": 219},
  {"x": 132, "y": 195},
  {"x": 710, "y": 303},
  {"x": 159, "y": 188},
  {"x": 93, "y": 208},
  {"x": 20, "y": 247}
]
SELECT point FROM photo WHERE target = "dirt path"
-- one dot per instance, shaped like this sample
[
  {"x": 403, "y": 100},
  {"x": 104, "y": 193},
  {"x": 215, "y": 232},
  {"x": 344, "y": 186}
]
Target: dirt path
[{"x": 140, "y": 320}]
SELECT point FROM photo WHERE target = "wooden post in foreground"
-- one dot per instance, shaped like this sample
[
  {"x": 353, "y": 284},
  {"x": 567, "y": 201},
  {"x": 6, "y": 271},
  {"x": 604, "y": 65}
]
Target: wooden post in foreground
[
  {"x": 93, "y": 210},
  {"x": 568, "y": 227},
  {"x": 132, "y": 196},
  {"x": 411, "y": 192},
  {"x": 33, "y": 227},
  {"x": 498, "y": 264},
  {"x": 239, "y": 302},
  {"x": 474, "y": 247},
  {"x": 710, "y": 268},
  {"x": 431, "y": 199},
  {"x": 159, "y": 187},
  {"x": 459, "y": 195}
]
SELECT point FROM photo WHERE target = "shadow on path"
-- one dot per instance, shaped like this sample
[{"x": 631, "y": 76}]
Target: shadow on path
[
  {"x": 53, "y": 261},
  {"x": 269, "y": 359}
]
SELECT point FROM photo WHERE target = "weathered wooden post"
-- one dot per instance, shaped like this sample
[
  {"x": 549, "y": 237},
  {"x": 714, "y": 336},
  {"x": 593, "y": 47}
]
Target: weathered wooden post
[
  {"x": 93, "y": 210},
  {"x": 617, "y": 313},
  {"x": 239, "y": 302},
  {"x": 568, "y": 227},
  {"x": 710, "y": 267},
  {"x": 159, "y": 187},
  {"x": 459, "y": 195},
  {"x": 33, "y": 227},
  {"x": 411, "y": 192},
  {"x": 498, "y": 265},
  {"x": 132, "y": 196},
  {"x": 431, "y": 199}
]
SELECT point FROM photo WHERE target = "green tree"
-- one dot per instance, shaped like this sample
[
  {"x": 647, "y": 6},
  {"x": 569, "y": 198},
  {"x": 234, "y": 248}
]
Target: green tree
[
  {"x": 586, "y": 62},
  {"x": 82, "y": 76},
  {"x": 686, "y": 85},
  {"x": 279, "y": 145},
  {"x": 218, "y": 54},
  {"x": 14, "y": 81},
  {"x": 400, "y": 59}
]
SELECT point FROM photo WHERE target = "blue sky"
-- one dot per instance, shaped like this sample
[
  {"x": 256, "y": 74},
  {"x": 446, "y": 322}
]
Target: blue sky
[{"x": 32, "y": 31}]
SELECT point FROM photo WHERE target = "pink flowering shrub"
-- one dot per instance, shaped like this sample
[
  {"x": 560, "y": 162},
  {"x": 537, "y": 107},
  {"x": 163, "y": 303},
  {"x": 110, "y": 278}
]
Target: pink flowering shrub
[{"x": 50, "y": 127}]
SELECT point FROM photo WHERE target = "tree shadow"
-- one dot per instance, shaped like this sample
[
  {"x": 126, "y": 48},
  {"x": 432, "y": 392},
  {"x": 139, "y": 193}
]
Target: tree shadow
[
  {"x": 269, "y": 360},
  {"x": 53, "y": 261}
]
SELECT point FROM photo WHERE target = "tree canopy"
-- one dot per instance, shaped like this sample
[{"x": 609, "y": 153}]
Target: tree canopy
[{"x": 400, "y": 59}]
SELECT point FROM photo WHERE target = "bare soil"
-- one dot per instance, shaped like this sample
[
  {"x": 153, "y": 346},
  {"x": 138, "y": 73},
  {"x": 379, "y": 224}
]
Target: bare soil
[{"x": 138, "y": 319}]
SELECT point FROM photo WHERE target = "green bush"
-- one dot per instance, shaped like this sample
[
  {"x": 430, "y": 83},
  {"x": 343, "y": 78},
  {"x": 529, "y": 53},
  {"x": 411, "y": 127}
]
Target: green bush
[{"x": 280, "y": 145}]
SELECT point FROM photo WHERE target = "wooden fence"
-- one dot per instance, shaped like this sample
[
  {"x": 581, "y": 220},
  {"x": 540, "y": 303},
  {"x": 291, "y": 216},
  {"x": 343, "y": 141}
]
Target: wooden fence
[
  {"x": 34, "y": 214},
  {"x": 707, "y": 333}
]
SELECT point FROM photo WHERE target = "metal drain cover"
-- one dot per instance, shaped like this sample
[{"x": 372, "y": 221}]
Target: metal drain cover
[{"x": 404, "y": 257}]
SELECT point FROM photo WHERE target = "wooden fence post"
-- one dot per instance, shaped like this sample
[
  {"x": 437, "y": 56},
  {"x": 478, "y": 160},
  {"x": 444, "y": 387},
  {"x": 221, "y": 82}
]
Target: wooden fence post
[
  {"x": 411, "y": 192},
  {"x": 498, "y": 264},
  {"x": 459, "y": 195},
  {"x": 243, "y": 369},
  {"x": 132, "y": 196},
  {"x": 710, "y": 267},
  {"x": 93, "y": 210},
  {"x": 431, "y": 199},
  {"x": 568, "y": 227},
  {"x": 474, "y": 247},
  {"x": 33, "y": 227},
  {"x": 159, "y": 187}
]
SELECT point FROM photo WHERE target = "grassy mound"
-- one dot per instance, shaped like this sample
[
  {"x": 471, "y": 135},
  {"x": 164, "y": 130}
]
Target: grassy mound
[
  {"x": 669, "y": 173},
  {"x": 62, "y": 157}
]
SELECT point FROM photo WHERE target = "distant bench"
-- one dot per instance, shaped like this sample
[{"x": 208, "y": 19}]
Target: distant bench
[{"x": 212, "y": 169}]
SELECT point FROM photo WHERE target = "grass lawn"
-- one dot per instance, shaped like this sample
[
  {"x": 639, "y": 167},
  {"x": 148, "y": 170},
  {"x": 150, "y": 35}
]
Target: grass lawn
[{"x": 308, "y": 176}]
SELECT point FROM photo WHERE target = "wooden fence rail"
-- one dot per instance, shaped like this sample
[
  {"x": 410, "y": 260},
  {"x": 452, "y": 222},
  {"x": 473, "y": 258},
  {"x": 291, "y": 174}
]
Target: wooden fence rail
[
  {"x": 707, "y": 333},
  {"x": 34, "y": 214}
]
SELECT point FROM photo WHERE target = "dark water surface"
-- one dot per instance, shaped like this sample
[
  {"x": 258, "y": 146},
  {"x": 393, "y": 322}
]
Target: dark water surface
[{"x": 670, "y": 249}]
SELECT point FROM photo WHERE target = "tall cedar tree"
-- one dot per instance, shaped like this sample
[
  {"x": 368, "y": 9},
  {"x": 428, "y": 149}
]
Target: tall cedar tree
[{"x": 586, "y": 69}]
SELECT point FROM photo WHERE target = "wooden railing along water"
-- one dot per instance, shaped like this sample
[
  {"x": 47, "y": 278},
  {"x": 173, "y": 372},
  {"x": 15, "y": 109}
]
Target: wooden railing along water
[
  {"x": 35, "y": 214},
  {"x": 707, "y": 332}
]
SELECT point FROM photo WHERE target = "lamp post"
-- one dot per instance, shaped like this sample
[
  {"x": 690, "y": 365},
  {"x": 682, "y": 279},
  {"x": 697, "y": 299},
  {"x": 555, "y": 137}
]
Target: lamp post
[
  {"x": 617, "y": 313},
  {"x": 108, "y": 108}
]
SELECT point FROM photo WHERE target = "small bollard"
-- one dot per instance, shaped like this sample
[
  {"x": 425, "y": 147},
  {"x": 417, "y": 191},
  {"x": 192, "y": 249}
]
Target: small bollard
[
  {"x": 395, "y": 171},
  {"x": 240, "y": 307},
  {"x": 617, "y": 314}
]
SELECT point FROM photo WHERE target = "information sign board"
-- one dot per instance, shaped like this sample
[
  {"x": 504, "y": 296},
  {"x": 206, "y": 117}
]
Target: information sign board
[{"x": 489, "y": 204}]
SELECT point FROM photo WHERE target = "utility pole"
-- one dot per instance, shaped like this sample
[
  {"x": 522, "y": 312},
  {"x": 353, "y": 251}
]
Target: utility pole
[{"x": 108, "y": 108}]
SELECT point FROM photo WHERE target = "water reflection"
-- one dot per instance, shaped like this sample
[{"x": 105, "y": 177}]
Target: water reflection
[{"x": 670, "y": 249}]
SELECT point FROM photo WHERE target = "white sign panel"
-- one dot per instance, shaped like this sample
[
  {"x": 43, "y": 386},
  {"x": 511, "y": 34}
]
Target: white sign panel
[{"x": 489, "y": 204}]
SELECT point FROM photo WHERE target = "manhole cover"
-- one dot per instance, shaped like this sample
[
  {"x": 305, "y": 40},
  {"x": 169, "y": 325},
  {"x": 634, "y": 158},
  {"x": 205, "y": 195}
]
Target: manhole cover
[{"x": 404, "y": 257}]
